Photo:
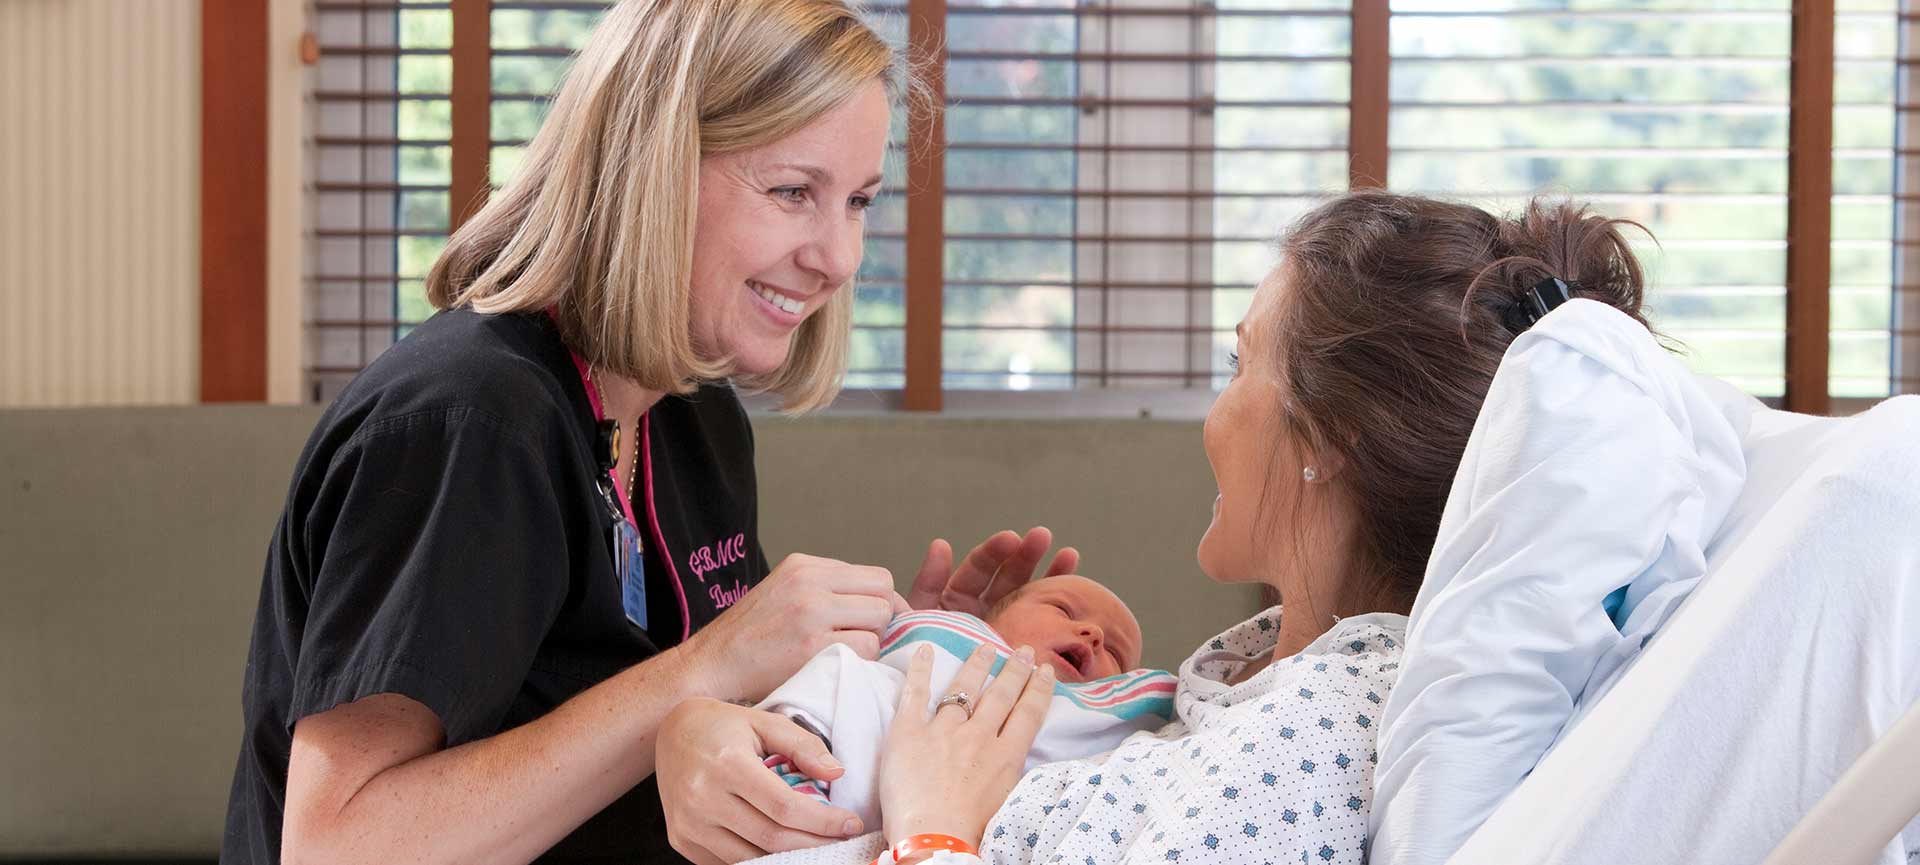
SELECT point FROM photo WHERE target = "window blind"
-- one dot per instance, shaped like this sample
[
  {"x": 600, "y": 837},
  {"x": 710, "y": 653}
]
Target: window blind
[
  {"x": 1673, "y": 113},
  {"x": 380, "y": 162}
]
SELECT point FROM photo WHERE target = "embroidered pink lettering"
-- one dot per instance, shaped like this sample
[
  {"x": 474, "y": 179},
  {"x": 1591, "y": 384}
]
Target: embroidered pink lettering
[
  {"x": 724, "y": 598},
  {"x": 713, "y": 557}
]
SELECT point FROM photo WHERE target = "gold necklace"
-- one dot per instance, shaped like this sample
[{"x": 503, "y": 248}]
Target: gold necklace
[{"x": 632, "y": 467}]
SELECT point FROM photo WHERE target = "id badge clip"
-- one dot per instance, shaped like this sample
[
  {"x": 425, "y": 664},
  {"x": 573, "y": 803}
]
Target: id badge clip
[
  {"x": 629, "y": 559},
  {"x": 631, "y": 566}
]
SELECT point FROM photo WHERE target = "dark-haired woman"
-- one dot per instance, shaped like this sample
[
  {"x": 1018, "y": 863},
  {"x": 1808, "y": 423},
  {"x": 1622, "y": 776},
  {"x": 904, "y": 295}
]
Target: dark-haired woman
[{"x": 1360, "y": 368}]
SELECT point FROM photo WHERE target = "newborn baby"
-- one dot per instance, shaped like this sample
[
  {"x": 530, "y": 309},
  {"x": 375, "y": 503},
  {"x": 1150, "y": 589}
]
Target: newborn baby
[{"x": 1073, "y": 623}]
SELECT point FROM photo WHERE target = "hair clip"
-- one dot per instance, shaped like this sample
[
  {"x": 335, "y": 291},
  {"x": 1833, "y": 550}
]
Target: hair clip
[{"x": 1544, "y": 297}]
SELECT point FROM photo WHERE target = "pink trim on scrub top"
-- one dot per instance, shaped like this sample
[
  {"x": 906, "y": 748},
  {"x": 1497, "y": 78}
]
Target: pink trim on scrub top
[{"x": 646, "y": 472}]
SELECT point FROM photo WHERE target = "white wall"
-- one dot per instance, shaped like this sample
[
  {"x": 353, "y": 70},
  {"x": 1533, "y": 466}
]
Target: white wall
[{"x": 99, "y": 201}]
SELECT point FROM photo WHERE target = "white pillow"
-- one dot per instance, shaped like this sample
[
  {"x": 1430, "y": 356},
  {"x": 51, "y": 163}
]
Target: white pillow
[
  {"x": 1796, "y": 651},
  {"x": 1599, "y": 462}
]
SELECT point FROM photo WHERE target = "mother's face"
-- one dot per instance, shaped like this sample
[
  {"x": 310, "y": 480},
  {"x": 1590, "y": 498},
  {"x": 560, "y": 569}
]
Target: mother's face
[
  {"x": 1255, "y": 463},
  {"x": 780, "y": 228}
]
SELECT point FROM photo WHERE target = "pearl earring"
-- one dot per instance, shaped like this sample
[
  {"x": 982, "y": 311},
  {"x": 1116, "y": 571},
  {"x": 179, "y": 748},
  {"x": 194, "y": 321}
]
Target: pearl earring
[{"x": 1309, "y": 474}]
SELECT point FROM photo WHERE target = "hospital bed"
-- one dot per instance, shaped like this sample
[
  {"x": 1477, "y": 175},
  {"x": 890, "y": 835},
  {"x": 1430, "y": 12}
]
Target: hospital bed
[
  {"x": 1773, "y": 719},
  {"x": 1719, "y": 743}
]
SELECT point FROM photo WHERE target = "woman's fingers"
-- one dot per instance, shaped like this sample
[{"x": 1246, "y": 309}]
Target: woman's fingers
[
  {"x": 1066, "y": 561},
  {"x": 912, "y": 711},
  {"x": 779, "y": 735},
  {"x": 860, "y": 612},
  {"x": 869, "y": 580},
  {"x": 727, "y": 847},
  {"x": 863, "y": 643},
  {"x": 1005, "y": 688},
  {"x": 975, "y": 573},
  {"x": 1023, "y": 723},
  {"x": 763, "y": 833},
  {"x": 935, "y": 570},
  {"x": 780, "y": 819},
  {"x": 971, "y": 679},
  {"x": 1018, "y": 565}
]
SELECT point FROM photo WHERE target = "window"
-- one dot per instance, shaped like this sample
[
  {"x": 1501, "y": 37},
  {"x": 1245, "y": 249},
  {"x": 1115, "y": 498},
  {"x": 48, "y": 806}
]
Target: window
[
  {"x": 1904, "y": 304},
  {"x": 1114, "y": 173},
  {"x": 380, "y": 163},
  {"x": 1670, "y": 114},
  {"x": 1866, "y": 216}
]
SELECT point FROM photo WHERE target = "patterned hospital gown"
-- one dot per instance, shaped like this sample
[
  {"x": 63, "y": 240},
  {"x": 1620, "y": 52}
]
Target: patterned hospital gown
[{"x": 1276, "y": 769}]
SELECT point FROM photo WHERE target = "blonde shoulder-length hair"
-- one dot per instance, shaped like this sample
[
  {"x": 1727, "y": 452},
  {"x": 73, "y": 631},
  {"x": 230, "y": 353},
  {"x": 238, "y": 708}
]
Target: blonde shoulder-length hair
[{"x": 598, "y": 224}]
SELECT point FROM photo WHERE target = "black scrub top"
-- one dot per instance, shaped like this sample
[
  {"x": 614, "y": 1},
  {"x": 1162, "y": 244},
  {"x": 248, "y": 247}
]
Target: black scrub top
[{"x": 444, "y": 539}]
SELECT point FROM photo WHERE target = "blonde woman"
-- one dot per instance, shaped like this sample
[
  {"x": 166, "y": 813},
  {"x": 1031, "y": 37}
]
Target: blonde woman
[{"x": 528, "y": 531}]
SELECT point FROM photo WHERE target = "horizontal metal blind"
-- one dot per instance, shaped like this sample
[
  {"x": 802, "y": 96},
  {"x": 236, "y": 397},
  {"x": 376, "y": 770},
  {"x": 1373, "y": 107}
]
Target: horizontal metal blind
[
  {"x": 1876, "y": 312},
  {"x": 380, "y": 165},
  {"x": 1116, "y": 174},
  {"x": 1904, "y": 312},
  {"x": 1085, "y": 242},
  {"x": 1669, "y": 112},
  {"x": 1867, "y": 218}
]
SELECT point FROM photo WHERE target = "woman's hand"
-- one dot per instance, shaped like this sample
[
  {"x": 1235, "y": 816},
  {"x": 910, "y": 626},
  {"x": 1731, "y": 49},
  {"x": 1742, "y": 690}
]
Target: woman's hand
[
  {"x": 722, "y": 803},
  {"x": 805, "y": 605},
  {"x": 948, "y": 773},
  {"x": 1001, "y": 564}
]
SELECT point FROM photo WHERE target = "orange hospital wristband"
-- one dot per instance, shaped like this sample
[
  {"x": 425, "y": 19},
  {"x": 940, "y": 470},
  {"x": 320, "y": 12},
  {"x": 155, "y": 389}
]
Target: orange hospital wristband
[{"x": 924, "y": 843}]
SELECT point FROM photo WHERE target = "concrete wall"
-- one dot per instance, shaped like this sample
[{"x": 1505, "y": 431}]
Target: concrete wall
[{"x": 131, "y": 544}]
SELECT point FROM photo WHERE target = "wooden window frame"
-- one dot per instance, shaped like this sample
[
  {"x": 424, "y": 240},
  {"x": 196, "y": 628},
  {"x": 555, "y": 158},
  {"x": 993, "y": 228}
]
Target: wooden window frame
[
  {"x": 1809, "y": 206},
  {"x": 233, "y": 200},
  {"x": 233, "y": 237}
]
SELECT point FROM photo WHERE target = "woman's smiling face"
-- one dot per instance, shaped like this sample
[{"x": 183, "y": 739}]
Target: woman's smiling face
[
  {"x": 1275, "y": 522},
  {"x": 780, "y": 229},
  {"x": 1242, "y": 432}
]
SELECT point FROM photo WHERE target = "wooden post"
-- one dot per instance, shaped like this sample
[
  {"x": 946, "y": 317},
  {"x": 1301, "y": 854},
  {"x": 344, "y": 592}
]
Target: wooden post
[
  {"x": 472, "y": 136},
  {"x": 926, "y": 205},
  {"x": 233, "y": 200},
  {"x": 1810, "y": 207},
  {"x": 1368, "y": 102}
]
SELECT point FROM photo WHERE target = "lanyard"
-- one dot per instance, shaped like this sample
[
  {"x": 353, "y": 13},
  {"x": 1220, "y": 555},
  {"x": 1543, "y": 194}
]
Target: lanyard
[
  {"x": 629, "y": 565},
  {"x": 606, "y": 435}
]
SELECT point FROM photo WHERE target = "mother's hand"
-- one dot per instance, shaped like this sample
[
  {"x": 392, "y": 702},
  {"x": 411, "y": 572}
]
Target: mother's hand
[
  {"x": 947, "y": 774},
  {"x": 722, "y": 803},
  {"x": 999, "y": 565}
]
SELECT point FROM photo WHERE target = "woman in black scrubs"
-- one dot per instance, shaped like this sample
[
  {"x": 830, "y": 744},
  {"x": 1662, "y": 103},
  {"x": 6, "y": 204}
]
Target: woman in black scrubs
[{"x": 528, "y": 530}]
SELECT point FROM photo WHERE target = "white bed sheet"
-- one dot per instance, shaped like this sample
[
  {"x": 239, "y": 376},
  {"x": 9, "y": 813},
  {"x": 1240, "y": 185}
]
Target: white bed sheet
[{"x": 1797, "y": 650}]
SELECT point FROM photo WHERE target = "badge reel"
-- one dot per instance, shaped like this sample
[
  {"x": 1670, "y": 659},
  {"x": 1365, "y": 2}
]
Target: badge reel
[{"x": 629, "y": 561}]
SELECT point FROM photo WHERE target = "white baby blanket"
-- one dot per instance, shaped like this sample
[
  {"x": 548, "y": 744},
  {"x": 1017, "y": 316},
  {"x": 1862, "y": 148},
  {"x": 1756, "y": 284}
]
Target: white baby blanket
[{"x": 851, "y": 702}]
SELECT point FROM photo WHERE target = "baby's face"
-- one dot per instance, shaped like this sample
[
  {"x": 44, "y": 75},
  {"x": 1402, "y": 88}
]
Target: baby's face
[{"x": 1073, "y": 623}]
